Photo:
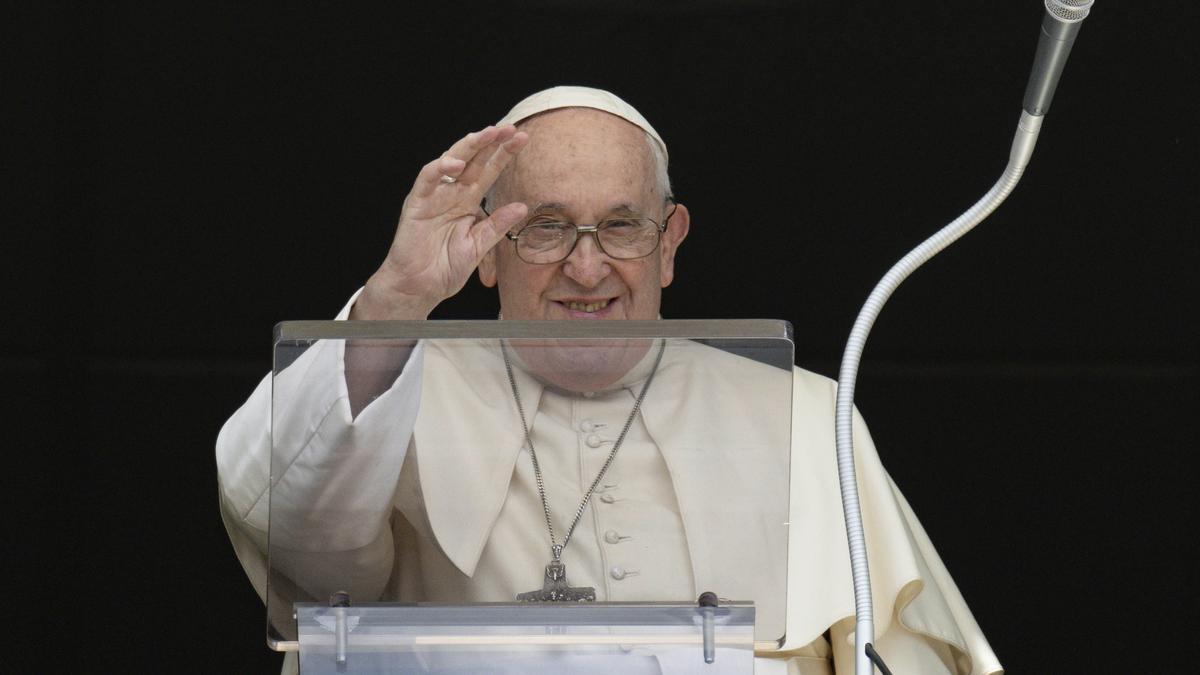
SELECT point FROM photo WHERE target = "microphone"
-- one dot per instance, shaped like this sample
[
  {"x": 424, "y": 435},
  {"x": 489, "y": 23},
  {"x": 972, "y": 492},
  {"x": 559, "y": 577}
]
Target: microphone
[{"x": 1059, "y": 28}]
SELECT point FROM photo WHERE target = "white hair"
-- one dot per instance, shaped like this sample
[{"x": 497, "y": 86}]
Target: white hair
[{"x": 662, "y": 180}]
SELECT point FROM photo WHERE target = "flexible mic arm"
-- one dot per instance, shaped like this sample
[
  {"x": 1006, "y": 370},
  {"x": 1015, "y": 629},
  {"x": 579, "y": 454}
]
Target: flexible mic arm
[{"x": 1059, "y": 28}]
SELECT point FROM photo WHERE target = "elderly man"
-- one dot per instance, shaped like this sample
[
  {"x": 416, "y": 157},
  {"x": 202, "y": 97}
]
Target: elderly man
[{"x": 578, "y": 223}]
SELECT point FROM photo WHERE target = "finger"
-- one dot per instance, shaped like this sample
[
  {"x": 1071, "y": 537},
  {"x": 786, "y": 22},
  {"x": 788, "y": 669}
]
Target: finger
[
  {"x": 431, "y": 174},
  {"x": 488, "y": 232},
  {"x": 484, "y": 174},
  {"x": 453, "y": 162},
  {"x": 470, "y": 145},
  {"x": 478, "y": 172}
]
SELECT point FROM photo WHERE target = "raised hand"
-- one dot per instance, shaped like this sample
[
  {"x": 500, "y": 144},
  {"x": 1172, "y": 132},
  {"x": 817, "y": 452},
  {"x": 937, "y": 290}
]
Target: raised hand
[{"x": 442, "y": 234}]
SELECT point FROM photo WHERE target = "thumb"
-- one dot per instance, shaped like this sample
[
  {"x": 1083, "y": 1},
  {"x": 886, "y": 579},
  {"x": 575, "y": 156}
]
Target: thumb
[{"x": 488, "y": 232}]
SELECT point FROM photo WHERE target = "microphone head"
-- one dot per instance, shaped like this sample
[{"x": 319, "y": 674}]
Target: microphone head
[{"x": 1069, "y": 11}]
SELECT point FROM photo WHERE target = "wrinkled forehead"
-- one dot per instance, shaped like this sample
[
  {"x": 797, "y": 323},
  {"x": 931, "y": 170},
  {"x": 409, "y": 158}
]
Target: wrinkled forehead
[
  {"x": 570, "y": 131},
  {"x": 578, "y": 153}
]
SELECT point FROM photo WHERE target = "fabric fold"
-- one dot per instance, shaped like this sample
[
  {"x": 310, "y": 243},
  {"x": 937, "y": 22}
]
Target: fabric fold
[{"x": 466, "y": 465}]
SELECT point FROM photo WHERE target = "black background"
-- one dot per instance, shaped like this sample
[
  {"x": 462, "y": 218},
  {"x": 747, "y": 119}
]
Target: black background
[{"x": 200, "y": 172}]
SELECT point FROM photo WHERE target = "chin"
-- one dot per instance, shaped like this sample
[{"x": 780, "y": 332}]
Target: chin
[{"x": 581, "y": 365}]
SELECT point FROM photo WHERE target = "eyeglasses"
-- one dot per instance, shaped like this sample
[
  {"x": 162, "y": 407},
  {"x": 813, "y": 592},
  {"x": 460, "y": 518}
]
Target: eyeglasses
[{"x": 544, "y": 240}]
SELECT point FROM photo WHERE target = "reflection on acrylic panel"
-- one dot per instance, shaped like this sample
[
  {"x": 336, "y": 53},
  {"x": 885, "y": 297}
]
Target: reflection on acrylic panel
[{"x": 499, "y": 462}]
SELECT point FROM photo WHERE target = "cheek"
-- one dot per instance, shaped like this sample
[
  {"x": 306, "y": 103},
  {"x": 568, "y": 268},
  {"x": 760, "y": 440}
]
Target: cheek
[
  {"x": 648, "y": 275},
  {"x": 642, "y": 280},
  {"x": 523, "y": 285}
]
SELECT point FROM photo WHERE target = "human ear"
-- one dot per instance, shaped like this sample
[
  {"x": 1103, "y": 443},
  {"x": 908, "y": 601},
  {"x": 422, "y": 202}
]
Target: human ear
[
  {"x": 677, "y": 230},
  {"x": 487, "y": 268}
]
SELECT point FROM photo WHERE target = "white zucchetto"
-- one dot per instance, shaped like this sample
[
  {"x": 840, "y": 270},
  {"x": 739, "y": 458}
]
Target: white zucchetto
[{"x": 580, "y": 97}]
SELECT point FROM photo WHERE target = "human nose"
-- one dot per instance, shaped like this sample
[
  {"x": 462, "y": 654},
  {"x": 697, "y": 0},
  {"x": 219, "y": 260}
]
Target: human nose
[{"x": 587, "y": 264}]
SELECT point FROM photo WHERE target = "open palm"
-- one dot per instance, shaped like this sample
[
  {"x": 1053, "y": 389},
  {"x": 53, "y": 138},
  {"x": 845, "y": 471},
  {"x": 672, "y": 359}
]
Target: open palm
[{"x": 442, "y": 234}]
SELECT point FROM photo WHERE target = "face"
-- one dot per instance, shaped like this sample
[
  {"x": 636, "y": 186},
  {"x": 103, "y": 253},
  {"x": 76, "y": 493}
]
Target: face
[{"x": 584, "y": 166}]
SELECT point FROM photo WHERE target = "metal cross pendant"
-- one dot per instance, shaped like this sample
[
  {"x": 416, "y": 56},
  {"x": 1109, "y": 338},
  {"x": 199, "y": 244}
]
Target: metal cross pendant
[{"x": 556, "y": 588}]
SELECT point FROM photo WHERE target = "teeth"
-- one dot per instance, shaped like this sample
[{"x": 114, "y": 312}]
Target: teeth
[{"x": 587, "y": 307}]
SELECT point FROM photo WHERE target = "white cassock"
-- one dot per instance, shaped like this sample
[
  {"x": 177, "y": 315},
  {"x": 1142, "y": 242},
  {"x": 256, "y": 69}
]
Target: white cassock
[{"x": 443, "y": 506}]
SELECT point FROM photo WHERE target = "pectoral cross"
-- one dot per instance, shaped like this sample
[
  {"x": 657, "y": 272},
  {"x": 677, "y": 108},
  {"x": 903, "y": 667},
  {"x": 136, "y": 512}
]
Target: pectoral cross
[{"x": 556, "y": 588}]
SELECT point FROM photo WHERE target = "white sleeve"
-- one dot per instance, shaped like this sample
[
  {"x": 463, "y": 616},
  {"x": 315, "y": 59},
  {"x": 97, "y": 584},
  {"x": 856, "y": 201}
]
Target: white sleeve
[{"x": 335, "y": 474}]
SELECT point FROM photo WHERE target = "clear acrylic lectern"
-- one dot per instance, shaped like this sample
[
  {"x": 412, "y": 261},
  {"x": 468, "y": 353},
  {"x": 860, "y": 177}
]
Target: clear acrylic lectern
[
  {"x": 601, "y": 638},
  {"x": 432, "y": 484}
]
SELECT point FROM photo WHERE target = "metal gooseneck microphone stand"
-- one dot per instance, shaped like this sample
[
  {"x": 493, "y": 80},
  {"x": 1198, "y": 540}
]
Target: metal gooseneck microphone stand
[{"x": 1059, "y": 28}]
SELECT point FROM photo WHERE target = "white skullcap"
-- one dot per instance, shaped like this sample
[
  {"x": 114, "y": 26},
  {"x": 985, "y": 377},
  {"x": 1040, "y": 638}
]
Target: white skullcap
[{"x": 580, "y": 97}]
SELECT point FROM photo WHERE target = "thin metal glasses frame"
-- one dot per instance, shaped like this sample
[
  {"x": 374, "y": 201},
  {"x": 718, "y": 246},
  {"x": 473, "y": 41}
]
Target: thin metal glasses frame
[{"x": 594, "y": 230}]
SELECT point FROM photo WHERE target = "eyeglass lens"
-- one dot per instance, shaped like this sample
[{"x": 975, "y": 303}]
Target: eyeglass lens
[{"x": 622, "y": 239}]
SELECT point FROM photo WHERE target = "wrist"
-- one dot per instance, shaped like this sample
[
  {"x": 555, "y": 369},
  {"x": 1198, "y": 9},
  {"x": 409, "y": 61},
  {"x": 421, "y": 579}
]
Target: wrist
[{"x": 380, "y": 301}]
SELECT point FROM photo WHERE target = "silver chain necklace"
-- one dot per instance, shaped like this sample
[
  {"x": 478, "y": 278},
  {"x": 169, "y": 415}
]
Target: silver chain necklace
[{"x": 555, "y": 586}]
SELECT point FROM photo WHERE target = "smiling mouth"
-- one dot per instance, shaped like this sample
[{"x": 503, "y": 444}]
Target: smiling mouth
[{"x": 585, "y": 306}]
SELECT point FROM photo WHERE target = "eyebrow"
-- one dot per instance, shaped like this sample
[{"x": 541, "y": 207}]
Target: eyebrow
[
  {"x": 548, "y": 207},
  {"x": 558, "y": 207}
]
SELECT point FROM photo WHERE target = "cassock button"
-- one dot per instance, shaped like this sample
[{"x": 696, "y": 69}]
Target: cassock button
[
  {"x": 617, "y": 573},
  {"x": 594, "y": 441},
  {"x": 587, "y": 425},
  {"x": 612, "y": 537},
  {"x": 607, "y": 498}
]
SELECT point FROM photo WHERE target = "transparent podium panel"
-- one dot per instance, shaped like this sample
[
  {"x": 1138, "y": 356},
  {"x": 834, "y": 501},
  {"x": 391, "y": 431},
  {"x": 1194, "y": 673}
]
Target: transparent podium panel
[
  {"x": 535, "y": 464},
  {"x": 525, "y": 639}
]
